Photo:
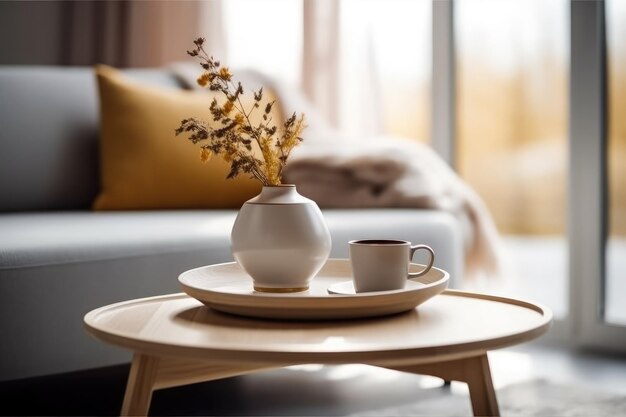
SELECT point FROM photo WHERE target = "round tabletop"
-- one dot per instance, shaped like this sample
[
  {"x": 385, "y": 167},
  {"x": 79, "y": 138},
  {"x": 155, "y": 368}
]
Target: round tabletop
[{"x": 454, "y": 324}]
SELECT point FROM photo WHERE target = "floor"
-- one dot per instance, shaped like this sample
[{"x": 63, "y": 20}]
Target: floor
[{"x": 311, "y": 390}]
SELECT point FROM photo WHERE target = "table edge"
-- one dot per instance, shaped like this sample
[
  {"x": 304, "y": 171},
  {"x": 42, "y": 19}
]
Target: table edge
[{"x": 352, "y": 356}]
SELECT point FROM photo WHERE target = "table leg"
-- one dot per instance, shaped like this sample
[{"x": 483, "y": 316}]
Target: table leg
[
  {"x": 480, "y": 384},
  {"x": 143, "y": 373},
  {"x": 150, "y": 373},
  {"x": 474, "y": 371}
]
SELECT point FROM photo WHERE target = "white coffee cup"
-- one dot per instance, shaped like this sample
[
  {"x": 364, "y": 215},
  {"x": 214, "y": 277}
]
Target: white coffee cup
[{"x": 383, "y": 265}]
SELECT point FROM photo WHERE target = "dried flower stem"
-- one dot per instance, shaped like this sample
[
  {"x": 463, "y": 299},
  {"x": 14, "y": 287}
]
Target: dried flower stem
[{"x": 234, "y": 137}]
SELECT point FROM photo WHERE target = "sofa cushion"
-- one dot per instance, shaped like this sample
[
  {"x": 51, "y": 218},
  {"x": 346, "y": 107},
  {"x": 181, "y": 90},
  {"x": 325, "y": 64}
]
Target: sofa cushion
[
  {"x": 49, "y": 135},
  {"x": 36, "y": 240},
  {"x": 30, "y": 240},
  {"x": 48, "y": 139},
  {"x": 145, "y": 166}
]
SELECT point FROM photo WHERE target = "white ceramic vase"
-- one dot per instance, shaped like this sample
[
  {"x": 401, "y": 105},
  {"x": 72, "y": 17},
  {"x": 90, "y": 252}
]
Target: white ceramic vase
[{"x": 280, "y": 239}]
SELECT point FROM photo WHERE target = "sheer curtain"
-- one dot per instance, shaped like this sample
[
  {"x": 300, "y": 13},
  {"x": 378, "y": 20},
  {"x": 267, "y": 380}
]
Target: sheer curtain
[
  {"x": 365, "y": 64},
  {"x": 385, "y": 66}
]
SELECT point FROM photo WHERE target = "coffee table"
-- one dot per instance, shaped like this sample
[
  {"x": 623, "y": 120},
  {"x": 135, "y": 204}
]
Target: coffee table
[{"x": 177, "y": 340}]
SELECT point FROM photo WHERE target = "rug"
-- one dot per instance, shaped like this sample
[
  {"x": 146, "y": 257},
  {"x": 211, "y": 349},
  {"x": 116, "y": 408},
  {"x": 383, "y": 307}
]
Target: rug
[{"x": 533, "y": 398}]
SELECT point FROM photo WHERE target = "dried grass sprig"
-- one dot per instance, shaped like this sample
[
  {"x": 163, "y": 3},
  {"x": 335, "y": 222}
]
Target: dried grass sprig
[{"x": 232, "y": 135}]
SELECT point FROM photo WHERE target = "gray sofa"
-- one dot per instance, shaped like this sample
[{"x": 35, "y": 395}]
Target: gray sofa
[{"x": 58, "y": 259}]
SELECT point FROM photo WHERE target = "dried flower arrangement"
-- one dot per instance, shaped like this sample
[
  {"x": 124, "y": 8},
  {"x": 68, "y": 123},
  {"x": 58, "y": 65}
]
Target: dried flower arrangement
[{"x": 236, "y": 137}]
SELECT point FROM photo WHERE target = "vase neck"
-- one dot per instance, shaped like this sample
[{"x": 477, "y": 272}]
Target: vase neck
[
  {"x": 278, "y": 191},
  {"x": 279, "y": 194}
]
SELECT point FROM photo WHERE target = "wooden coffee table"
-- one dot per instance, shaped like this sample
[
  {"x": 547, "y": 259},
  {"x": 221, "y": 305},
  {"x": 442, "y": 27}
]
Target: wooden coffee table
[{"x": 177, "y": 340}]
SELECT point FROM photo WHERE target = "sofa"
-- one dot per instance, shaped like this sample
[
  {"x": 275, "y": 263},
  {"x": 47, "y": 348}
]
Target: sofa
[{"x": 59, "y": 259}]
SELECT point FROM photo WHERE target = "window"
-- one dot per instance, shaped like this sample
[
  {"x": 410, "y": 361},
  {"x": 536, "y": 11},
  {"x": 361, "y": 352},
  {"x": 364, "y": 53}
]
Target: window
[{"x": 512, "y": 132}]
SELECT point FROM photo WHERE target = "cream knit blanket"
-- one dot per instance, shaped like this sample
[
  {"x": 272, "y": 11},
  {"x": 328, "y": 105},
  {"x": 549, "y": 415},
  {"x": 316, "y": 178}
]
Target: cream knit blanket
[{"x": 390, "y": 172}]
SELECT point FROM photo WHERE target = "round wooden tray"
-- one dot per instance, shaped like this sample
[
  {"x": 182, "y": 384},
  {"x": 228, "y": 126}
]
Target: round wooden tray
[{"x": 227, "y": 288}]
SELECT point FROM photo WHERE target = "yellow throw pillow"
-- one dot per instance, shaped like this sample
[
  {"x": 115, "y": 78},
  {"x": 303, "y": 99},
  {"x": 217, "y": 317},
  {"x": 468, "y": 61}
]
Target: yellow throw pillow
[{"x": 143, "y": 165}]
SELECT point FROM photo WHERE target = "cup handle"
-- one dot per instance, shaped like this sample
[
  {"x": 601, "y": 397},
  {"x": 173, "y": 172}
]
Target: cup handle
[{"x": 430, "y": 262}]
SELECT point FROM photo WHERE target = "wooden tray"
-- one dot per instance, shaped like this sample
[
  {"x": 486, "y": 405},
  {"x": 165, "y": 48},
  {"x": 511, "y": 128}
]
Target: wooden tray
[{"x": 227, "y": 288}]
